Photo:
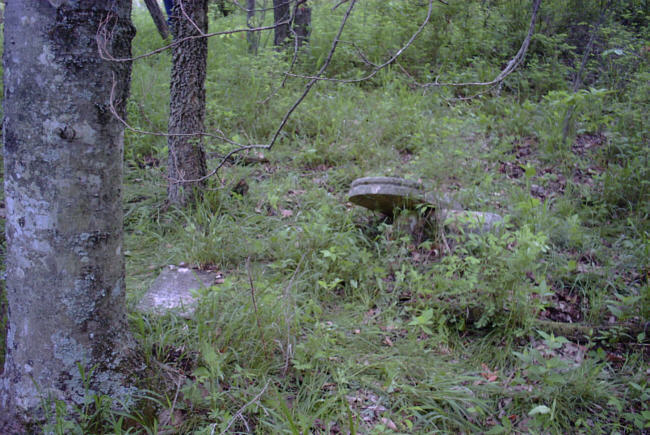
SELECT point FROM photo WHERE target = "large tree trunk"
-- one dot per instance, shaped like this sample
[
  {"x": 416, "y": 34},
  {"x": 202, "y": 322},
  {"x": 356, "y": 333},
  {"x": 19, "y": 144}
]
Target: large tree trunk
[
  {"x": 187, "y": 102},
  {"x": 63, "y": 172},
  {"x": 281, "y": 15}
]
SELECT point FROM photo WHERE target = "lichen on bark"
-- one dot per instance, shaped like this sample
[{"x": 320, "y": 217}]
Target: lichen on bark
[{"x": 63, "y": 172}]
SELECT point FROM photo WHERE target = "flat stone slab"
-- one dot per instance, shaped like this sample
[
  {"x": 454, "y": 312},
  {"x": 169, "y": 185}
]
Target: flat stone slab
[
  {"x": 471, "y": 221},
  {"x": 385, "y": 194},
  {"x": 172, "y": 291}
]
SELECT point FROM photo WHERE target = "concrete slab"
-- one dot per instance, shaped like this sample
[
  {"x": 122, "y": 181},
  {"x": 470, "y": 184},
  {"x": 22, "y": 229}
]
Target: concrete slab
[{"x": 172, "y": 291}]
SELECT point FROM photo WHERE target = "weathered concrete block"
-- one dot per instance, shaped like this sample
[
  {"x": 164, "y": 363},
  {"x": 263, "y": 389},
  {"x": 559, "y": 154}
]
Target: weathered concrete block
[{"x": 172, "y": 291}]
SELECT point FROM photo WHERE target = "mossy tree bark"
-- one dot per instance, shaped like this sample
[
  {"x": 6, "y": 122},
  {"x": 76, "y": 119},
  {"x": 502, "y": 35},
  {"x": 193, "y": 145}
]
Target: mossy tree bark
[
  {"x": 63, "y": 153},
  {"x": 187, "y": 102}
]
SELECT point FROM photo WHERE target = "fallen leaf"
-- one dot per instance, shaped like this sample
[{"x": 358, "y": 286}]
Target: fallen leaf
[
  {"x": 488, "y": 374},
  {"x": 388, "y": 423}
]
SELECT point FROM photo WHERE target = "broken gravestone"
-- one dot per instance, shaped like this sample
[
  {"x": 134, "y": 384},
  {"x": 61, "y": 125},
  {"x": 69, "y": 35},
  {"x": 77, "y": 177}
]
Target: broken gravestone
[
  {"x": 388, "y": 194},
  {"x": 173, "y": 291}
]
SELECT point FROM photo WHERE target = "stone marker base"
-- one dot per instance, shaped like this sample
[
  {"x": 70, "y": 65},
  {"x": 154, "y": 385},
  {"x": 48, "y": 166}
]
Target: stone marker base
[{"x": 172, "y": 291}]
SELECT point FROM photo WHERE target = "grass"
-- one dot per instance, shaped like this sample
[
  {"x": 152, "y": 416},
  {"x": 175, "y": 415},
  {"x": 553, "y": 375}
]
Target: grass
[{"x": 356, "y": 328}]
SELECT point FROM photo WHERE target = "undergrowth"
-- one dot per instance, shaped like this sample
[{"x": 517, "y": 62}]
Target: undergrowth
[{"x": 351, "y": 325}]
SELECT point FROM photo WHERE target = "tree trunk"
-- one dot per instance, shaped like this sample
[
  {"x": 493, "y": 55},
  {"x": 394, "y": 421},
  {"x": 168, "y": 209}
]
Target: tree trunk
[
  {"x": 281, "y": 15},
  {"x": 63, "y": 154},
  {"x": 221, "y": 5},
  {"x": 251, "y": 37},
  {"x": 158, "y": 18},
  {"x": 187, "y": 102},
  {"x": 302, "y": 24}
]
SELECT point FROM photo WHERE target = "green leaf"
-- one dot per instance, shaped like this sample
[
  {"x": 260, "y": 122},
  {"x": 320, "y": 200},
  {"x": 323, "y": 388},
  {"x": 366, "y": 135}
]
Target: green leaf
[
  {"x": 540, "y": 409},
  {"x": 530, "y": 171},
  {"x": 201, "y": 372},
  {"x": 616, "y": 51},
  {"x": 423, "y": 319}
]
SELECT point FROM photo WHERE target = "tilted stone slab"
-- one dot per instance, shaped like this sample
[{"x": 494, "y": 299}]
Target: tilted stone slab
[
  {"x": 385, "y": 194},
  {"x": 172, "y": 291}
]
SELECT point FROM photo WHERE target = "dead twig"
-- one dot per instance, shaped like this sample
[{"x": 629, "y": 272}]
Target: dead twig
[
  {"x": 239, "y": 414},
  {"x": 257, "y": 317},
  {"x": 287, "y": 317}
]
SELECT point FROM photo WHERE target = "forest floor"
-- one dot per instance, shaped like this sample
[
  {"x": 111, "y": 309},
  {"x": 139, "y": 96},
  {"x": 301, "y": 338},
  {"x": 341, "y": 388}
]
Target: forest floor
[{"x": 330, "y": 318}]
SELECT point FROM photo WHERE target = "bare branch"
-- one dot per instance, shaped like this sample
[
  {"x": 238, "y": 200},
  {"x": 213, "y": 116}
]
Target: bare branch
[
  {"x": 509, "y": 69},
  {"x": 245, "y": 9},
  {"x": 511, "y": 66},
  {"x": 316, "y": 78},
  {"x": 338, "y": 4},
  {"x": 383, "y": 65},
  {"x": 103, "y": 36},
  {"x": 294, "y": 58},
  {"x": 577, "y": 80}
]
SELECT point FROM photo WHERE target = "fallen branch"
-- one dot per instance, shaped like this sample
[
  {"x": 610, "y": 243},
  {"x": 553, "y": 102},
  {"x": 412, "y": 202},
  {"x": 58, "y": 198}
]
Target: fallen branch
[{"x": 580, "y": 331}]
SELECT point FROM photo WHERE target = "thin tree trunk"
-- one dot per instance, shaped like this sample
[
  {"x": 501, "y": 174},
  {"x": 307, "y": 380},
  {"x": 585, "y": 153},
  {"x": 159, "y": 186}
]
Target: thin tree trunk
[
  {"x": 281, "y": 15},
  {"x": 251, "y": 37},
  {"x": 158, "y": 18},
  {"x": 63, "y": 155},
  {"x": 187, "y": 102}
]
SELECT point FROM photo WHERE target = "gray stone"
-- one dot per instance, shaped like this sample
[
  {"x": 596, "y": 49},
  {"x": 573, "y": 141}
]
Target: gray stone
[
  {"x": 385, "y": 194},
  {"x": 173, "y": 291},
  {"x": 470, "y": 221}
]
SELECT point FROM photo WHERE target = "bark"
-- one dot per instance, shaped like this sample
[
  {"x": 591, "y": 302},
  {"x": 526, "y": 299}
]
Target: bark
[
  {"x": 63, "y": 171},
  {"x": 158, "y": 18},
  {"x": 302, "y": 24},
  {"x": 187, "y": 102},
  {"x": 221, "y": 5},
  {"x": 251, "y": 37},
  {"x": 281, "y": 16}
]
